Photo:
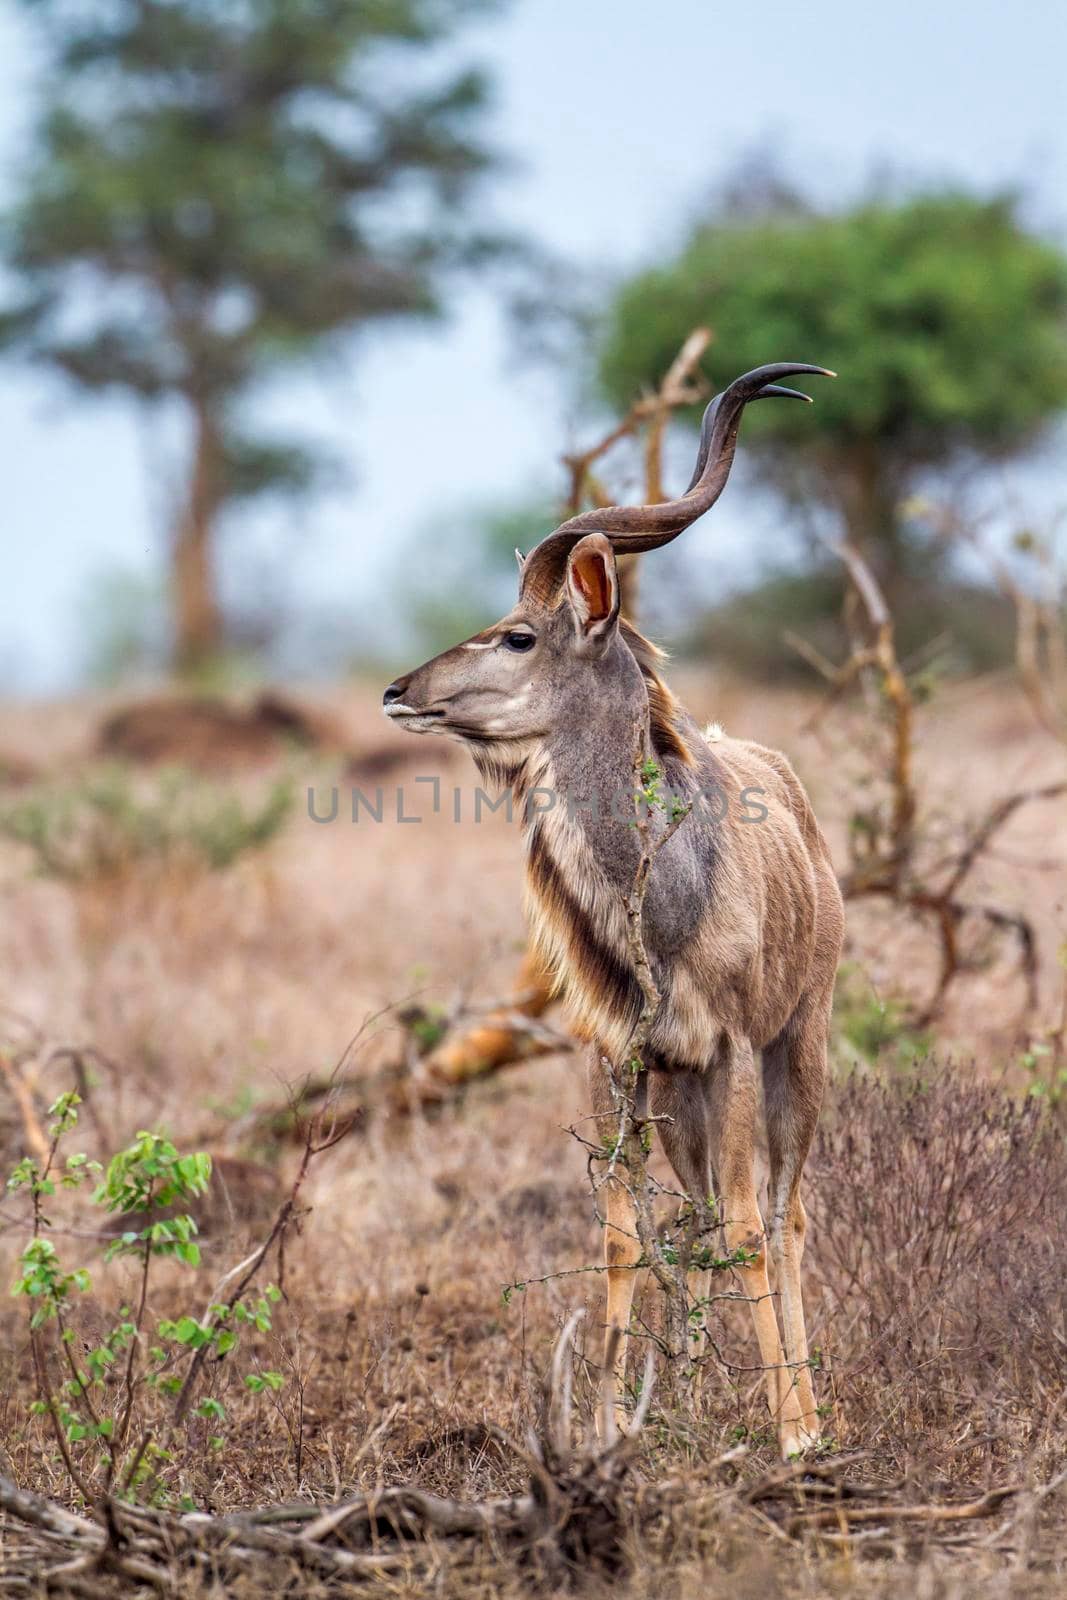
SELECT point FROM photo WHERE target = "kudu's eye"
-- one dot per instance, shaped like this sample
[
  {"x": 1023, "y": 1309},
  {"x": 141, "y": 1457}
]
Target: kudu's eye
[{"x": 519, "y": 641}]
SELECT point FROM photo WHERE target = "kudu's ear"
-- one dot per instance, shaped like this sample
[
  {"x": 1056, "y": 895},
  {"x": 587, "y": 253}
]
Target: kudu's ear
[{"x": 593, "y": 589}]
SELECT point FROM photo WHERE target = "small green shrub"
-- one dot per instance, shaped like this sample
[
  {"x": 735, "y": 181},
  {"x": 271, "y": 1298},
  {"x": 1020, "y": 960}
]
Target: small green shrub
[
  {"x": 1046, "y": 1076},
  {"x": 97, "y": 1398},
  {"x": 103, "y": 821},
  {"x": 874, "y": 1028},
  {"x": 1044, "y": 1064}
]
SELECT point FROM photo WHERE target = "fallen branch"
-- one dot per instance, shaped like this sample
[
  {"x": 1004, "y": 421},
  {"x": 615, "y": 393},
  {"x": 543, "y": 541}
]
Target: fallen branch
[
  {"x": 572, "y": 1521},
  {"x": 816, "y": 1516},
  {"x": 21, "y": 1094},
  {"x": 437, "y": 1060},
  {"x": 580, "y": 1517}
]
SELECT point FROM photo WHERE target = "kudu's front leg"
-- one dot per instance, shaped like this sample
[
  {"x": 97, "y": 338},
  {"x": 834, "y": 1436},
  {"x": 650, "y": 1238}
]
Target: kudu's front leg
[
  {"x": 622, "y": 1248},
  {"x": 622, "y": 1251}
]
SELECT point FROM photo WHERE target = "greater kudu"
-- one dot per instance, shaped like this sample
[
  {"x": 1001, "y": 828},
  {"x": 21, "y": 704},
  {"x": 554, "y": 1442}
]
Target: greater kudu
[{"x": 742, "y": 917}]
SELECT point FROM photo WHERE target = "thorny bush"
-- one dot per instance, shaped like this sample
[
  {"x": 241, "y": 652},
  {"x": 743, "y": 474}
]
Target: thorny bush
[{"x": 940, "y": 1256}]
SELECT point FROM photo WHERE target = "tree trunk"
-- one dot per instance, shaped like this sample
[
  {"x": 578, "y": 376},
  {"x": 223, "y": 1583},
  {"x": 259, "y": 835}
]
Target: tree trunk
[
  {"x": 872, "y": 516},
  {"x": 871, "y": 496},
  {"x": 198, "y": 634}
]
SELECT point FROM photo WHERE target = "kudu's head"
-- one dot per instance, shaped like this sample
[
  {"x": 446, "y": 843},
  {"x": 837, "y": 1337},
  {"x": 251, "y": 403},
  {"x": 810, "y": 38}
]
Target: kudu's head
[{"x": 561, "y": 642}]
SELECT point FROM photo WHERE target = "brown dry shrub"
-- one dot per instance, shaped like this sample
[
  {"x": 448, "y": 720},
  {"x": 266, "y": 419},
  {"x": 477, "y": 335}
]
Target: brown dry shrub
[{"x": 940, "y": 1259}]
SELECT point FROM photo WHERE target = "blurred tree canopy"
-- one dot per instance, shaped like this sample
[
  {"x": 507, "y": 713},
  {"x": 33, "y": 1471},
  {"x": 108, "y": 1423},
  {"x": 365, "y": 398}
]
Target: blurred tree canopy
[
  {"x": 216, "y": 189},
  {"x": 945, "y": 318}
]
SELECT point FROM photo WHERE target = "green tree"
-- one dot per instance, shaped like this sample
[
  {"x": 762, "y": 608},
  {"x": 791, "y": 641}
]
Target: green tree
[
  {"x": 216, "y": 190},
  {"x": 945, "y": 318}
]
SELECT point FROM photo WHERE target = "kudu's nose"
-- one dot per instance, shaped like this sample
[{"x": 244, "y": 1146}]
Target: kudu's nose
[{"x": 394, "y": 692}]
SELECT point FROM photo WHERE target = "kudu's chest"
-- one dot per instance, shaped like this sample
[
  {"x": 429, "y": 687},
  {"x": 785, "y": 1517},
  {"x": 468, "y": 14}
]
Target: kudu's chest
[
  {"x": 728, "y": 914},
  {"x": 580, "y": 870}
]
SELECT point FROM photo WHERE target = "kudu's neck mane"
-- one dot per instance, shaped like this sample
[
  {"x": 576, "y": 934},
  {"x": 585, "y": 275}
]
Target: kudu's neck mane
[{"x": 666, "y": 719}]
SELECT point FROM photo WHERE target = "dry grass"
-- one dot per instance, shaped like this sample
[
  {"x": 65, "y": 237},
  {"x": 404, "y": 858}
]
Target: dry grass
[{"x": 937, "y": 1256}]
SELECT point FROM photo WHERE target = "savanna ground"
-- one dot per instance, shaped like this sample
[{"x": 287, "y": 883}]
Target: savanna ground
[{"x": 201, "y": 979}]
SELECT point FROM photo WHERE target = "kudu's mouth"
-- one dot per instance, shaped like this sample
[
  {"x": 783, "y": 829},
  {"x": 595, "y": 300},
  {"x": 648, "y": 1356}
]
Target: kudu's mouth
[{"x": 414, "y": 718}]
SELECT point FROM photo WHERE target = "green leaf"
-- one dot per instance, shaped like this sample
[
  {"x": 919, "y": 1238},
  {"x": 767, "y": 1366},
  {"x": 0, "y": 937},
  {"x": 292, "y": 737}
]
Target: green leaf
[
  {"x": 188, "y": 1331},
  {"x": 257, "y": 1382}
]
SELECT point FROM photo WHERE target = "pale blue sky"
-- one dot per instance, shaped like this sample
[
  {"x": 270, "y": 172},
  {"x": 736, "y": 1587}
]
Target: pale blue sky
[{"x": 621, "y": 116}]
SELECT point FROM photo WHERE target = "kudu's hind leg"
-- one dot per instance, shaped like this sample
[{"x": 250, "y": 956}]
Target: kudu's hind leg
[
  {"x": 733, "y": 1099},
  {"x": 794, "y": 1077},
  {"x": 622, "y": 1248}
]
